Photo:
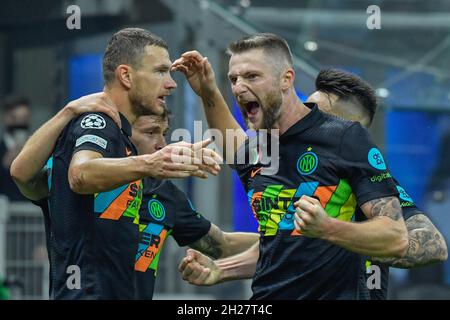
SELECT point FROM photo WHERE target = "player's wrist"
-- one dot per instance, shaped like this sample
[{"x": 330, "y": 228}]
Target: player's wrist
[
  {"x": 211, "y": 94},
  {"x": 329, "y": 228},
  {"x": 143, "y": 165},
  {"x": 69, "y": 111}
]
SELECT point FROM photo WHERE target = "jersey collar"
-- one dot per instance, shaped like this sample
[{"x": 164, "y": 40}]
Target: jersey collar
[
  {"x": 126, "y": 126},
  {"x": 306, "y": 122}
]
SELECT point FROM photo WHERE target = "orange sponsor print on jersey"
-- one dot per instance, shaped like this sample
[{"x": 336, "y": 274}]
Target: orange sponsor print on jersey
[{"x": 124, "y": 200}]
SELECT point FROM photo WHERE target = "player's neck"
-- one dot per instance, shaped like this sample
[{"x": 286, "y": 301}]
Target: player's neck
[
  {"x": 292, "y": 111},
  {"x": 121, "y": 100}
]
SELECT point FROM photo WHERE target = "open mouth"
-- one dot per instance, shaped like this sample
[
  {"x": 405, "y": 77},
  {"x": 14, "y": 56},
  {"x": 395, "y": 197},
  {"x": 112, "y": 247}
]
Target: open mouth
[
  {"x": 251, "y": 108},
  {"x": 162, "y": 99}
]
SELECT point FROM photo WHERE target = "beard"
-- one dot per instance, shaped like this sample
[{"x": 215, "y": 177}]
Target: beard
[
  {"x": 270, "y": 109},
  {"x": 140, "y": 106},
  {"x": 272, "y": 112}
]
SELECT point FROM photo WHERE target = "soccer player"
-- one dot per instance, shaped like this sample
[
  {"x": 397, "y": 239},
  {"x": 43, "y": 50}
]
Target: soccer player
[
  {"x": 347, "y": 96},
  {"x": 320, "y": 156},
  {"x": 165, "y": 209},
  {"x": 95, "y": 187}
]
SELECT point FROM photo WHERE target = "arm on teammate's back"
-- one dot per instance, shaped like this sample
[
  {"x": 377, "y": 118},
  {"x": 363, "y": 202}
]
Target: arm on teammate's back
[
  {"x": 27, "y": 169},
  {"x": 200, "y": 75},
  {"x": 426, "y": 245},
  {"x": 219, "y": 244},
  {"x": 200, "y": 270}
]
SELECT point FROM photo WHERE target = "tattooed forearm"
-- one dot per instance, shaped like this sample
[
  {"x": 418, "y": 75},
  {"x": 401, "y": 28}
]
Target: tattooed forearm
[
  {"x": 389, "y": 207},
  {"x": 426, "y": 245},
  {"x": 208, "y": 103},
  {"x": 211, "y": 243}
]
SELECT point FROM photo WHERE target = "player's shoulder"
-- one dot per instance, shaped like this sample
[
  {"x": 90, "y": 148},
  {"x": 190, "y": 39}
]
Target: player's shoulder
[
  {"x": 94, "y": 121},
  {"x": 340, "y": 125},
  {"x": 150, "y": 185},
  {"x": 165, "y": 188},
  {"x": 175, "y": 191}
]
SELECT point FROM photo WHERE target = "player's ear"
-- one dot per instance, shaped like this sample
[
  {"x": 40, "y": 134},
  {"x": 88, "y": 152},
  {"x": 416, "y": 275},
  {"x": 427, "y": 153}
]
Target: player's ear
[
  {"x": 287, "y": 79},
  {"x": 124, "y": 75}
]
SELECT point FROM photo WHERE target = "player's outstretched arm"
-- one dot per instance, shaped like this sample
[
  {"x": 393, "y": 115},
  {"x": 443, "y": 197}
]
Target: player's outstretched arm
[
  {"x": 90, "y": 173},
  {"x": 383, "y": 235},
  {"x": 200, "y": 270},
  {"x": 200, "y": 74},
  {"x": 27, "y": 168},
  {"x": 426, "y": 245},
  {"x": 219, "y": 244}
]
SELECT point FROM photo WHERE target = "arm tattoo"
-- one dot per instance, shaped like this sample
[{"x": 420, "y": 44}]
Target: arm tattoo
[
  {"x": 389, "y": 207},
  {"x": 426, "y": 245},
  {"x": 211, "y": 243},
  {"x": 209, "y": 103}
]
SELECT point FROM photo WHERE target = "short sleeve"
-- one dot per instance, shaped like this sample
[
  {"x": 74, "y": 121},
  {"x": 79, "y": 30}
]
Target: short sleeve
[
  {"x": 189, "y": 225},
  {"x": 95, "y": 132},
  {"x": 364, "y": 166},
  {"x": 409, "y": 208}
]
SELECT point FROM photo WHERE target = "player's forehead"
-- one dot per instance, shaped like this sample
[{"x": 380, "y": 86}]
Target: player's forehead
[
  {"x": 254, "y": 60},
  {"x": 144, "y": 123},
  {"x": 155, "y": 56}
]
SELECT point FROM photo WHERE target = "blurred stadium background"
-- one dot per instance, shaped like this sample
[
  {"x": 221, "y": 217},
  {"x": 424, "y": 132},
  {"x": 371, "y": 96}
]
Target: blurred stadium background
[{"x": 407, "y": 61}]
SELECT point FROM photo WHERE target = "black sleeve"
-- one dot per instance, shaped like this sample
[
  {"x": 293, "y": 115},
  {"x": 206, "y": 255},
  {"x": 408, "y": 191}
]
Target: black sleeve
[
  {"x": 95, "y": 132},
  {"x": 364, "y": 166},
  {"x": 189, "y": 225}
]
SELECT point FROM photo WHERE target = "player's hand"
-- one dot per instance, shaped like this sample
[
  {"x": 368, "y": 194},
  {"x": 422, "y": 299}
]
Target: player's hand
[
  {"x": 310, "y": 218},
  {"x": 198, "y": 269},
  {"x": 198, "y": 72},
  {"x": 182, "y": 159},
  {"x": 96, "y": 102}
]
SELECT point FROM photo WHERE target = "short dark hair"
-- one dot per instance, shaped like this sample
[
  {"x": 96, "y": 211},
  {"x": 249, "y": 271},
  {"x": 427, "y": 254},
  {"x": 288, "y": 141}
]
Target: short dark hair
[
  {"x": 272, "y": 44},
  {"x": 12, "y": 101},
  {"x": 126, "y": 47},
  {"x": 348, "y": 86}
]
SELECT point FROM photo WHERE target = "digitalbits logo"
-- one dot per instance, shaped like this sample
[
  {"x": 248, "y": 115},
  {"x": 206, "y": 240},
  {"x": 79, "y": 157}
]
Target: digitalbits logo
[{"x": 376, "y": 159}]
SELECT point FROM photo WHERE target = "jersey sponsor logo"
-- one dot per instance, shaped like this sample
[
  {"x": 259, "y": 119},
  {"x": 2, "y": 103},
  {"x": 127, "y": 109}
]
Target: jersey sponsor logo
[
  {"x": 307, "y": 163},
  {"x": 376, "y": 159},
  {"x": 122, "y": 201},
  {"x": 92, "y": 138},
  {"x": 93, "y": 121},
  {"x": 152, "y": 240},
  {"x": 404, "y": 195},
  {"x": 381, "y": 177},
  {"x": 156, "y": 209},
  {"x": 274, "y": 207}
]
